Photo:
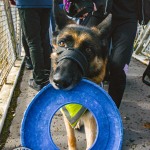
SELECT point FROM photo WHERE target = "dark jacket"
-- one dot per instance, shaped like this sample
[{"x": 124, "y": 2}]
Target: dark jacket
[
  {"x": 141, "y": 8},
  {"x": 34, "y": 3},
  {"x": 143, "y": 11},
  {"x": 104, "y": 5}
]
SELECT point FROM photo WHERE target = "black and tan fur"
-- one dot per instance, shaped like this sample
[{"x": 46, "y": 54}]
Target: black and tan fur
[{"x": 65, "y": 75}]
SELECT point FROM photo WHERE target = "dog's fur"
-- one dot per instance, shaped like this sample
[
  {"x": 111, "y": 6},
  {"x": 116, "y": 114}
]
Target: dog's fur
[{"x": 93, "y": 44}]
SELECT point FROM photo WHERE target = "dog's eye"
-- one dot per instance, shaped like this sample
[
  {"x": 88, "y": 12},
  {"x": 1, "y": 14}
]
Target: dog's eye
[{"x": 61, "y": 44}]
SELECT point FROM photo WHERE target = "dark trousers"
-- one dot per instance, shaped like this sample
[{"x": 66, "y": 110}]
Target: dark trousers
[
  {"x": 25, "y": 45},
  {"x": 123, "y": 35},
  {"x": 35, "y": 26}
]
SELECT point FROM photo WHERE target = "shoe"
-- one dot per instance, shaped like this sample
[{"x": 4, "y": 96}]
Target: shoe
[
  {"x": 36, "y": 86},
  {"x": 28, "y": 63}
]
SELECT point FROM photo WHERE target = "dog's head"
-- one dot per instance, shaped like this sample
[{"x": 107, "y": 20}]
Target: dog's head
[{"x": 79, "y": 51}]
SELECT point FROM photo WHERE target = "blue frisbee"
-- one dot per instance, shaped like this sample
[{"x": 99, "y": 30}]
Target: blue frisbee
[{"x": 35, "y": 128}]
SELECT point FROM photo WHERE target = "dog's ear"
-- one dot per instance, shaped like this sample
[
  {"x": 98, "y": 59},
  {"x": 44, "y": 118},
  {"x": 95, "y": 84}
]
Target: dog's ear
[
  {"x": 60, "y": 16},
  {"x": 54, "y": 39},
  {"x": 105, "y": 27},
  {"x": 104, "y": 30}
]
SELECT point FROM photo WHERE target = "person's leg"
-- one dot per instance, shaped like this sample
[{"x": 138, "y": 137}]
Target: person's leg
[
  {"x": 123, "y": 37},
  {"x": 47, "y": 49},
  {"x": 31, "y": 25},
  {"x": 28, "y": 62},
  {"x": 25, "y": 45}
]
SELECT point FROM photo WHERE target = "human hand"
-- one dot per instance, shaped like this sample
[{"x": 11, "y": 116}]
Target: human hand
[
  {"x": 95, "y": 8},
  {"x": 12, "y": 2}
]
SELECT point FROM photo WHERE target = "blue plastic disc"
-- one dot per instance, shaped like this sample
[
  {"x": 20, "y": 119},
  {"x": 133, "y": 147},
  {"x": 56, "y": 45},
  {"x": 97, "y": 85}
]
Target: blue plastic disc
[{"x": 35, "y": 129}]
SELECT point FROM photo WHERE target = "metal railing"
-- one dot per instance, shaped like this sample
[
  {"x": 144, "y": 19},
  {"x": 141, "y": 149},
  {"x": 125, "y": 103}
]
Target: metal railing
[
  {"x": 9, "y": 38},
  {"x": 142, "y": 44}
]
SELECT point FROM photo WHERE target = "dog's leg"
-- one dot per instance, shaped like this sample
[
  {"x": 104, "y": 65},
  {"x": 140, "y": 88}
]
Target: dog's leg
[
  {"x": 70, "y": 135},
  {"x": 90, "y": 129},
  {"x": 79, "y": 125}
]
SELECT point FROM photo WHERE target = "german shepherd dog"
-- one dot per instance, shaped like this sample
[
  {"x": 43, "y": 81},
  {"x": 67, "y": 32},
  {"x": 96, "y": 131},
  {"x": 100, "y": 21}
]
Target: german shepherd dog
[{"x": 79, "y": 52}]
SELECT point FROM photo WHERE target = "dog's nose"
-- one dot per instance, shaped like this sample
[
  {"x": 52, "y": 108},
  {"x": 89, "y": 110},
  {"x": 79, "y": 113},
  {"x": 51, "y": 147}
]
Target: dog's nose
[{"x": 61, "y": 82}]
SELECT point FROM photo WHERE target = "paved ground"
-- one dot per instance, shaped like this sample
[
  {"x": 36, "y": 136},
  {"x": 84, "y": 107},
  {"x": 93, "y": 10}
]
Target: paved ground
[{"x": 135, "y": 112}]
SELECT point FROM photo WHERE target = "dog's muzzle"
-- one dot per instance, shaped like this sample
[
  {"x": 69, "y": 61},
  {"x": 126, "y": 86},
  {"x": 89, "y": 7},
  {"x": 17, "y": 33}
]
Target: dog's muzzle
[{"x": 75, "y": 55}]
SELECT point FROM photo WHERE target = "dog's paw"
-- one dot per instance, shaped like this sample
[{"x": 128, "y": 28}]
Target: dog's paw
[{"x": 79, "y": 125}]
